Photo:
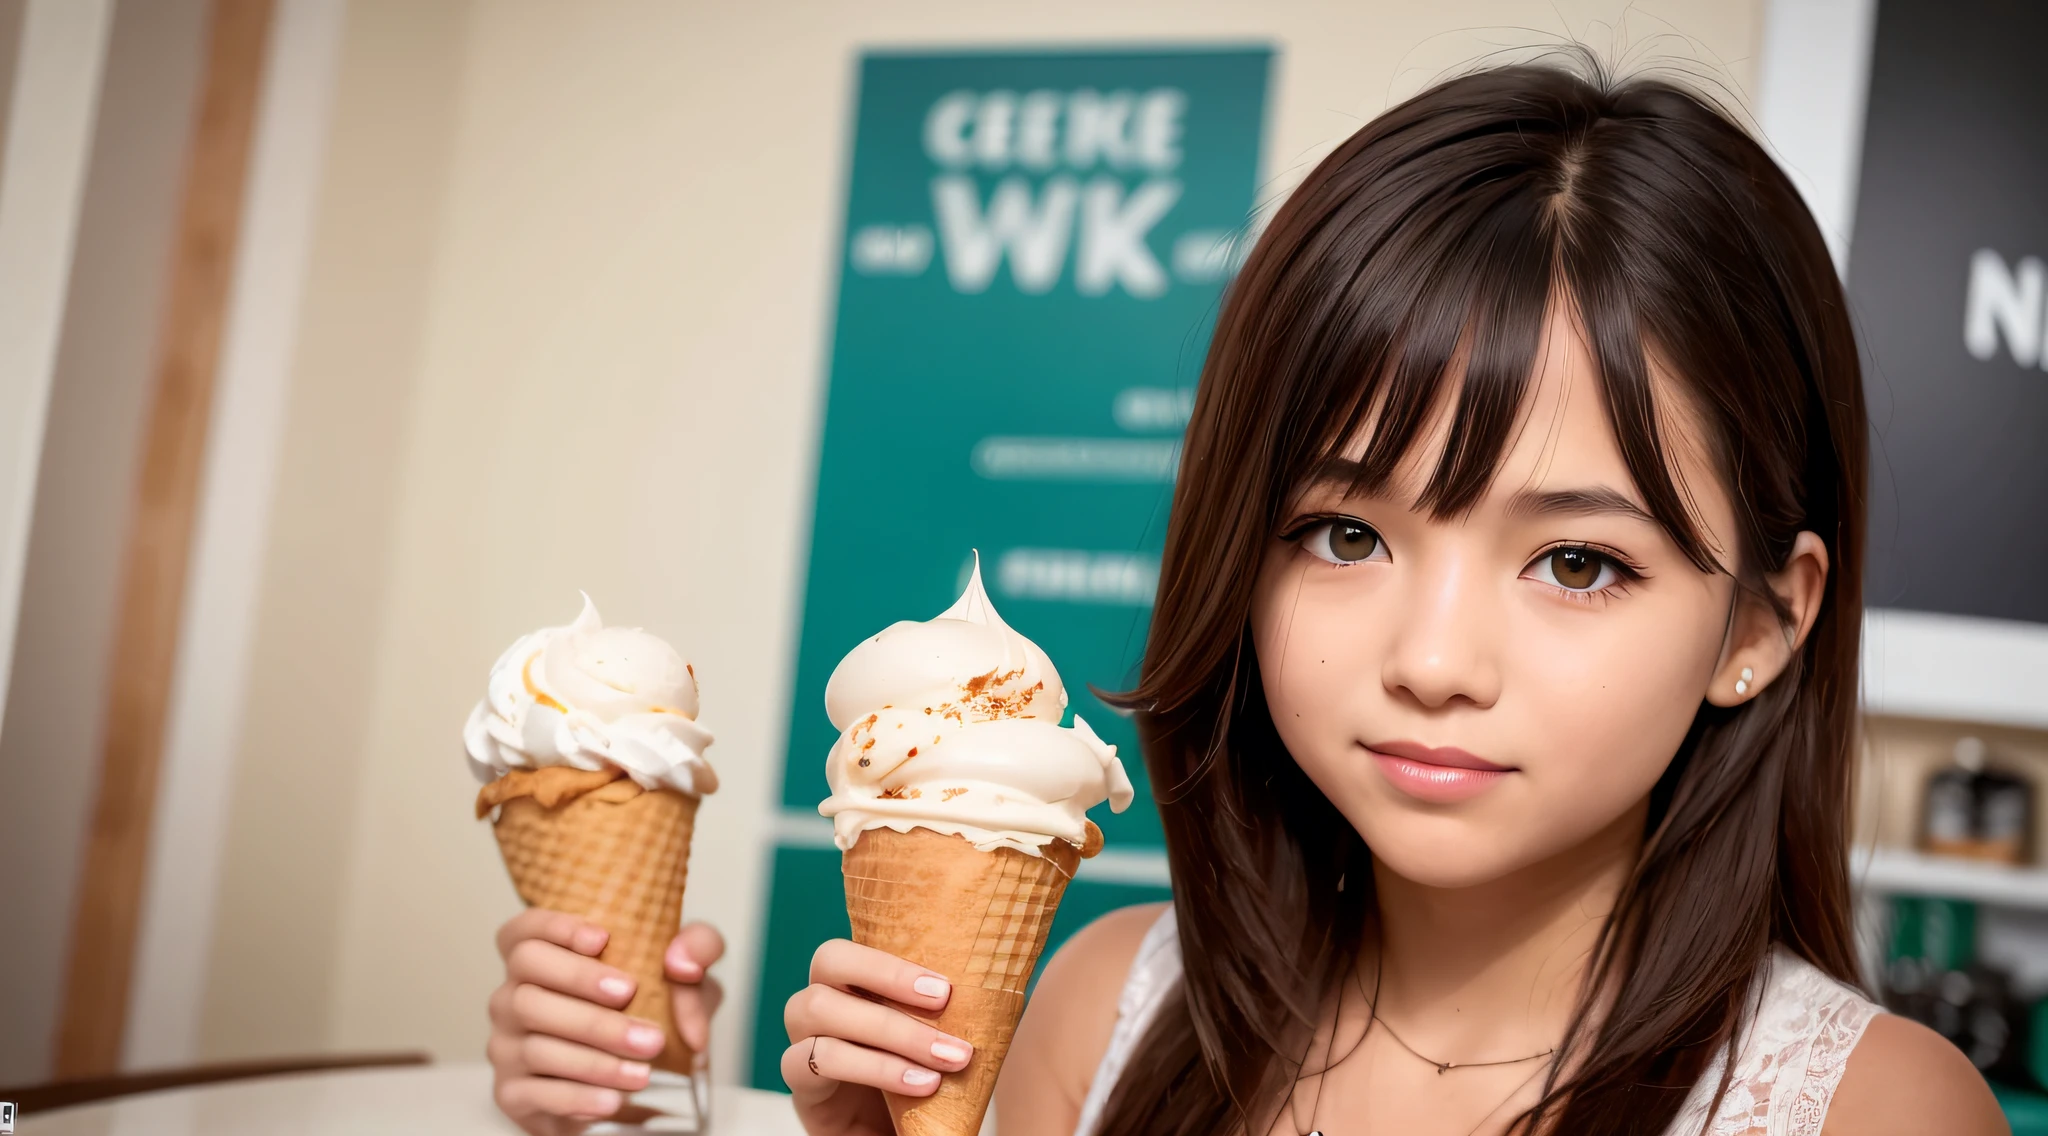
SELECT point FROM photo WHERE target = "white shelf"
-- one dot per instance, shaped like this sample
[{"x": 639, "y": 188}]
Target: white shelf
[
  {"x": 1895, "y": 871},
  {"x": 1955, "y": 668}
]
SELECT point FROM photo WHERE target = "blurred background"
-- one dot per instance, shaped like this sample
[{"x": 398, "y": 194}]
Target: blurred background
[{"x": 342, "y": 341}]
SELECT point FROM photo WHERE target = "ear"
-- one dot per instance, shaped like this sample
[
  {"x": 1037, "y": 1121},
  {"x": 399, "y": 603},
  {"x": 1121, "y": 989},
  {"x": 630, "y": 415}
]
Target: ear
[{"x": 1759, "y": 647}]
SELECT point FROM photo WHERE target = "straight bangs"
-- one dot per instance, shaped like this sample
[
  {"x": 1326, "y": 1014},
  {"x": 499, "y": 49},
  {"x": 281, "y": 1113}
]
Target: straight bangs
[{"x": 1451, "y": 302}]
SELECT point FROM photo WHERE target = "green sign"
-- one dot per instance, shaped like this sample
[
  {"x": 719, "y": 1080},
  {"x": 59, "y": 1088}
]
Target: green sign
[{"x": 1035, "y": 245}]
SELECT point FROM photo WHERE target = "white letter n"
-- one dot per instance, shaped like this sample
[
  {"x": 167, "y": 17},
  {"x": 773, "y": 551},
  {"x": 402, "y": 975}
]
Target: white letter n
[{"x": 1997, "y": 302}]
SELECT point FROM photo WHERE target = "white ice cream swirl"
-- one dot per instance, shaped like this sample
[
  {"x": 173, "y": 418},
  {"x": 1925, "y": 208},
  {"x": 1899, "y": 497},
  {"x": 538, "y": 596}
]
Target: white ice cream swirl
[
  {"x": 590, "y": 696},
  {"x": 953, "y": 725}
]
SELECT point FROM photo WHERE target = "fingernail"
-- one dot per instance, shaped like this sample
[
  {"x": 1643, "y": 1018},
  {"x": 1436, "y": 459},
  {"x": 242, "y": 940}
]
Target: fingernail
[
  {"x": 919, "y": 1077},
  {"x": 634, "y": 1070},
  {"x": 644, "y": 1037},
  {"x": 615, "y": 986},
  {"x": 949, "y": 1052},
  {"x": 680, "y": 961},
  {"x": 604, "y": 1102},
  {"x": 931, "y": 986},
  {"x": 590, "y": 940}
]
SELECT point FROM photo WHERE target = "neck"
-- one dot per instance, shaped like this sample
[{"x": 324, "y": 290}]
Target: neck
[{"x": 1470, "y": 973}]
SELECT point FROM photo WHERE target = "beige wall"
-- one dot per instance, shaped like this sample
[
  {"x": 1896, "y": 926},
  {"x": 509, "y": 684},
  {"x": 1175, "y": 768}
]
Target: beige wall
[
  {"x": 564, "y": 330},
  {"x": 272, "y": 984}
]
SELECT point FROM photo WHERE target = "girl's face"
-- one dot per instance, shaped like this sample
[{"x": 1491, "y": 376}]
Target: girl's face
[{"x": 1480, "y": 694}]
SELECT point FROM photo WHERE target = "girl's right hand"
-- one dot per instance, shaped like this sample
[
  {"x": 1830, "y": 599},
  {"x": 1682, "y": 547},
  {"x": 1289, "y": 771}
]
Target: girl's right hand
[
  {"x": 850, "y": 1039},
  {"x": 563, "y": 1051}
]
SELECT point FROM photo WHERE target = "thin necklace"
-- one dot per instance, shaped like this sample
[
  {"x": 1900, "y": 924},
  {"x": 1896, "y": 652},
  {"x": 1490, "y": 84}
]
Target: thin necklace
[
  {"x": 1442, "y": 1067},
  {"x": 1372, "y": 1018}
]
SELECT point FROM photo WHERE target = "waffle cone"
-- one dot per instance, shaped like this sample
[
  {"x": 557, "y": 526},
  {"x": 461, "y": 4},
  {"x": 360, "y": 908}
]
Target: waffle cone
[
  {"x": 980, "y": 919},
  {"x": 619, "y": 857}
]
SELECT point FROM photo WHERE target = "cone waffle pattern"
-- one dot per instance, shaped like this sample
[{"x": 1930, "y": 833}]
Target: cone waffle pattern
[
  {"x": 980, "y": 919},
  {"x": 620, "y": 863}
]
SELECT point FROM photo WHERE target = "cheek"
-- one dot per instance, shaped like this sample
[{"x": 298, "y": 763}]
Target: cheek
[
  {"x": 1317, "y": 653},
  {"x": 1611, "y": 699}
]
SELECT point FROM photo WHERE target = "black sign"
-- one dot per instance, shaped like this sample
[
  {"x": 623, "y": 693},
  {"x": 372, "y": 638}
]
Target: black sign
[{"x": 1950, "y": 293}]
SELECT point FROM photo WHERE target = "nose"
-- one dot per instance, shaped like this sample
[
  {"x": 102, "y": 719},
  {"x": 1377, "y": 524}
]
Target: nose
[{"x": 1443, "y": 649}]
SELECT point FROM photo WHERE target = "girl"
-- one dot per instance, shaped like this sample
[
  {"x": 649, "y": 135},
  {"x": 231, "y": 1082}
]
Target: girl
[{"x": 1501, "y": 688}]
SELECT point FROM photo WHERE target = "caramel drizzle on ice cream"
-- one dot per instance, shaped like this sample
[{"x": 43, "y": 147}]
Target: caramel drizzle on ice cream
[{"x": 539, "y": 695}]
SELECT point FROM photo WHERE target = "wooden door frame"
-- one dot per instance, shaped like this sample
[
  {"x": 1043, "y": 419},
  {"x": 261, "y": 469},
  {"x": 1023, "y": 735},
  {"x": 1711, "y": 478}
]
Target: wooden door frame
[{"x": 91, "y": 1029}]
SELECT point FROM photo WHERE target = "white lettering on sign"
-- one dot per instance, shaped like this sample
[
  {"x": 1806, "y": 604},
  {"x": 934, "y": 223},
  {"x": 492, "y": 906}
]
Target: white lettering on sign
[
  {"x": 996, "y": 130},
  {"x": 1076, "y": 459},
  {"x": 1033, "y": 223},
  {"x": 1033, "y": 233},
  {"x": 2002, "y": 302},
  {"x": 1143, "y": 409},
  {"x": 1077, "y": 575},
  {"x": 892, "y": 250},
  {"x": 1207, "y": 254},
  {"x": 1113, "y": 230}
]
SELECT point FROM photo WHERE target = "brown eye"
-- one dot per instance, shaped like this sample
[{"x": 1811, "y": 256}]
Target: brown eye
[
  {"x": 1577, "y": 569},
  {"x": 1344, "y": 541}
]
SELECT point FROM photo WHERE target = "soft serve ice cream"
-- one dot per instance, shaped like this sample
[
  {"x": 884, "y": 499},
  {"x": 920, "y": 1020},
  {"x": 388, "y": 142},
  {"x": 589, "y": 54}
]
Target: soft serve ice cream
[
  {"x": 594, "y": 698},
  {"x": 593, "y": 769},
  {"x": 952, "y": 725}
]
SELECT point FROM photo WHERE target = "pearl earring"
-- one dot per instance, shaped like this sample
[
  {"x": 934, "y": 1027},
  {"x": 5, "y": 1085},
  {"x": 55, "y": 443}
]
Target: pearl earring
[{"x": 1742, "y": 684}]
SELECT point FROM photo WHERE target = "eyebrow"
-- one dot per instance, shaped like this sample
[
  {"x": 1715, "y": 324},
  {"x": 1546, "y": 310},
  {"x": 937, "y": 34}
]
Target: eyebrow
[
  {"x": 1591, "y": 501},
  {"x": 1585, "y": 501}
]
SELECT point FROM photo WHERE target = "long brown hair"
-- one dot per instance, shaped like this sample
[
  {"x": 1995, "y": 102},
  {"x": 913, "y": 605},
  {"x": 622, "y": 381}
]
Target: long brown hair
[{"x": 1448, "y": 225}]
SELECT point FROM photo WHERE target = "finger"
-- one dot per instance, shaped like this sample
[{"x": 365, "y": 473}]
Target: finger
[
  {"x": 815, "y": 1067},
  {"x": 695, "y": 947},
  {"x": 536, "y": 1009},
  {"x": 500, "y": 1007},
  {"x": 822, "y": 1011},
  {"x": 522, "y": 1098},
  {"x": 850, "y": 966},
  {"x": 504, "y": 1053},
  {"x": 560, "y": 969},
  {"x": 553, "y": 1057},
  {"x": 693, "y": 1006},
  {"x": 557, "y": 927}
]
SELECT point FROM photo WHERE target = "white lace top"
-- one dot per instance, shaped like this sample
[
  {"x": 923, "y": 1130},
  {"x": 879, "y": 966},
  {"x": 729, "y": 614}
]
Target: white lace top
[{"x": 1786, "y": 1069}]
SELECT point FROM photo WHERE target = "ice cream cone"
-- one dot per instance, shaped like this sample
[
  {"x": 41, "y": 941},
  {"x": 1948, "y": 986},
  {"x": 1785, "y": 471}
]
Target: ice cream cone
[
  {"x": 980, "y": 919},
  {"x": 617, "y": 855}
]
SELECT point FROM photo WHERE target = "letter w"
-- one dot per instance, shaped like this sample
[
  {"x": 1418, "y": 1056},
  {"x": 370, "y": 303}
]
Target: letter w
[
  {"x": 1035, "y": 236},
  {"x": 1998, "y": 302}
]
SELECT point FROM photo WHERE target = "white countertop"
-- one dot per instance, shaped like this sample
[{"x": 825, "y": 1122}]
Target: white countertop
[{"x": 426, "y": 1100}]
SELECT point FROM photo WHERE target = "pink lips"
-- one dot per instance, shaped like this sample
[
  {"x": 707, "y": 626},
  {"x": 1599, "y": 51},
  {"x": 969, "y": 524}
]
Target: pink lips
[{"x": 1440, "y": 775}]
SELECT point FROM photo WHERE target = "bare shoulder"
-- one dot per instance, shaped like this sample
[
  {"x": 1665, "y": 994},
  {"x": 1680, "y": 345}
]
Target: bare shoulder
[
  {"x": 1067, "y": 1025},
  {"x": 1905, "y": 1078},
  {"x": 1088, "y": 972}
]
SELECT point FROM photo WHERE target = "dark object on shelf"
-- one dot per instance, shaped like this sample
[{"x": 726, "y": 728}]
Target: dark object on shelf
[
  {"x": 1932, "y": 976},
  {"x": 1978, "y": 813}
]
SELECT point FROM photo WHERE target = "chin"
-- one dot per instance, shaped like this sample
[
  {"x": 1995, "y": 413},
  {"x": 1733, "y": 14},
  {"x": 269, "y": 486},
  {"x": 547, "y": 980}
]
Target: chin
[
  {"x": 1444, "y": 852},
  {"x": 1435, "y": 869}
]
